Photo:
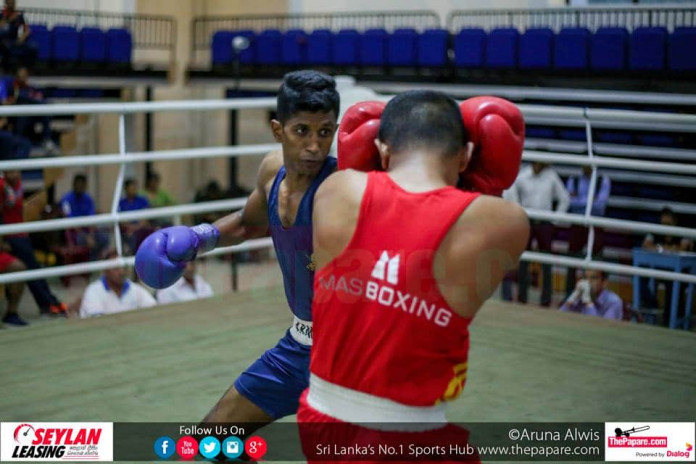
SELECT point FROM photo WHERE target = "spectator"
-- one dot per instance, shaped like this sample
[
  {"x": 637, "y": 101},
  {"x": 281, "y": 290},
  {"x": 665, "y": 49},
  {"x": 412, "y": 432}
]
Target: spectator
[
  {"x": 660, "y": 243},
  {"x": 13, "y": 291},
  {"x": 135, "y": 231},
  {"x": 191, "y": 286},
  {"x": 578, "y": 188},
  {"x": 24, "y": 94},
  {"x": 14, "y": 34},
  {"x": 211, "y": 192},
  {"x": 11, "y": 146},
  {"x": 537, "y": 187},
  {"x": 12, "y": 197},
  {"x": 667, "y": 242},
  {"x": 591, "y": 297},
  {"x": 113, "y": 293},
  {"x": 79, "y": 203},
  {"x": 158, "y": 197}
]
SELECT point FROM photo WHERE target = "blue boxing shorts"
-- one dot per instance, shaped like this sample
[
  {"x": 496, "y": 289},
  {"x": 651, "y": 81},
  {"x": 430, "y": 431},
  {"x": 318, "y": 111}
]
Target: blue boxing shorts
[{"x": 275, "y": 381}]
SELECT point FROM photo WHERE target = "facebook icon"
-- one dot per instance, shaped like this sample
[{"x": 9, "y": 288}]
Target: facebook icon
[{"x": 165, "y": 447}]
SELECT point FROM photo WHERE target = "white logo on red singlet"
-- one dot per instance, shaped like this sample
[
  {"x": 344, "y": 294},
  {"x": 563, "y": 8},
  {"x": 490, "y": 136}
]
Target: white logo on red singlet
[
  {"x": 387, "y": 269},
  {"x": 391, "y": 265}
]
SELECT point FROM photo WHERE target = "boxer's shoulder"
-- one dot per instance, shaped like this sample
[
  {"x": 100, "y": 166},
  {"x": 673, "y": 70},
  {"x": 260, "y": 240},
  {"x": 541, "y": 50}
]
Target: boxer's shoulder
[
  {"x": 347, "y": 184},
  {"x": 270, "y": 165}
]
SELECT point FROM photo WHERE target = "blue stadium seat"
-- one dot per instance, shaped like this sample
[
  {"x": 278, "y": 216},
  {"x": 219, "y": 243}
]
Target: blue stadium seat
[
  {"x": 536, "y": 48},
  {"x": 401, "y": 49},
  {"x": 293, "y": 50},
  {"x": 119, "y": 46},
  {"x": 93, "y": 41},
  {"x": 657, "y": 140},
  {"x": 42, "y": 38},
  {"x": 319, "y": 47},
  {"x": 648, "y": 50},
  {"x": 373, "y": 47},
  {"x": 609, "y": 49},
  {"x": 572, "y": 49},
  {"x": 469, "y": 48},
  {"x": 573, "y": 134},
  {"x": 539, "y": 132},
  {"x": 623, "y": 138},
  {"x": 682, "y": 49},
  {"x": 268, "y": 47},
  {"x": 432, "y": 47},
  {"x": 65, "y": 43},
  {"x": 345, "y": 48},
  {"x": 501, "y": 50},
  {"x": 221, "y": 52},
  {"x": 248, "y": 55}
]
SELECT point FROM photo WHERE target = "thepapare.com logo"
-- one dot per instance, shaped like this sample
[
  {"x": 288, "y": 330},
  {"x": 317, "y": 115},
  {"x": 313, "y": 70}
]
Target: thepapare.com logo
[{"x": 54, "y": 441}]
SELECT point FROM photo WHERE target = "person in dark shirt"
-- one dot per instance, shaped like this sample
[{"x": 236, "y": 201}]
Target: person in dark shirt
[
  {"x": 14, "y": 35},
  {"x": 78, "y": 203},
  {"x": 134, "y": 232},
  {"x": 12, "y": 202}
]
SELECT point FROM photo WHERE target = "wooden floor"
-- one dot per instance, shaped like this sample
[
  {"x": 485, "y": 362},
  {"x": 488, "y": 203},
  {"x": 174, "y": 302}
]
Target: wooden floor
[{"x": 172, "y": 363}]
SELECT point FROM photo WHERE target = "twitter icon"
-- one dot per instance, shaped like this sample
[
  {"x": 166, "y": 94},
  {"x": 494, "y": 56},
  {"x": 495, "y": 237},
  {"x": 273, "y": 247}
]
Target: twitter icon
[{"x": 209, "y": 447}]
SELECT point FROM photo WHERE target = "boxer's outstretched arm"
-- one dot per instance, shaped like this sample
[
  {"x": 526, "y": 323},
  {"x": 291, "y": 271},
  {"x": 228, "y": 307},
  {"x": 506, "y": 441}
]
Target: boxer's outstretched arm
[{"x": 251, "y": 221}]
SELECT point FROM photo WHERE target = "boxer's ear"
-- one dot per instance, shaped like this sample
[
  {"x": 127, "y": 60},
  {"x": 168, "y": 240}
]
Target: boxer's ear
[
  {"x": 277, "y": 129},
  {"x": 384, "y": 154},
  {"x": 465, "y": 155}
]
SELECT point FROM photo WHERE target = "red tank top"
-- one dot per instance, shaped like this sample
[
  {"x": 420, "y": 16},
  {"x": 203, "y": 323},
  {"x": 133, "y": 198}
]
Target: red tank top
[{"x": 381, "y": 325}]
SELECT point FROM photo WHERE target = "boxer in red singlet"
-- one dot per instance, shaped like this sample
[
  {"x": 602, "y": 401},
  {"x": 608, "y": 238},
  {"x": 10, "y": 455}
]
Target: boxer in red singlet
[{"x": 404, "y": 261}]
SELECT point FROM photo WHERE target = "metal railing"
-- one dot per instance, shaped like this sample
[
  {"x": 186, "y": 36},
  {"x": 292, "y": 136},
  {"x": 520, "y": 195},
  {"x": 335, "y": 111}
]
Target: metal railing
[
  {"x": 203, "y": 27},
  {"x": 564, "y": 116},
  {"x": 149, "y": 32},
  {"x": 589, "y": 17}
]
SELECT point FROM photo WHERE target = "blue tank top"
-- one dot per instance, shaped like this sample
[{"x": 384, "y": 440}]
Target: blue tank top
[{"x": 293, "y": 245}]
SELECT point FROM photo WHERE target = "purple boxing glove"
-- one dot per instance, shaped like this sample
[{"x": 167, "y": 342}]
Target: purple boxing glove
[{"x": 162, "y": 257}]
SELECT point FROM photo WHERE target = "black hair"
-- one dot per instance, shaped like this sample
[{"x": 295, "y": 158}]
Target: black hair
[
  {"x": 80, "y": 177},
  {"x": 128, "y": 182},
  {"x": 152, "y": 175},
  {"x": 310, "y": 91},
  {"x": 423, "y": 119}
]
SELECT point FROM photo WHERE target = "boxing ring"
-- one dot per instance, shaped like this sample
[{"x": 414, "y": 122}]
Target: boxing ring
[{"x": 172, "y": 363}]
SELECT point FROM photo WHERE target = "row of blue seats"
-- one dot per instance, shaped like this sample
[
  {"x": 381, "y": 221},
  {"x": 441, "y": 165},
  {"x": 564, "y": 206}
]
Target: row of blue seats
[
  {"x": 89, "y": 45},
  {"x": 604, "y": 136},
  {"x": 608, "y": 49}
]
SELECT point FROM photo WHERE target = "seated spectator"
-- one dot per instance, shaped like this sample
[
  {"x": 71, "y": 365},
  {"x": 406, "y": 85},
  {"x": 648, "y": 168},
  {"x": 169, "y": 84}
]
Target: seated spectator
[
  {"x": 592, "y": 298},
  {"x": 191, "y": 286},
  {"x": 13, "y": 291},
  {"x": 11, "y": 146},
  {"x": 14, "y": 35},
  {"x": 133, "y": 232},
  {"x": 12, "y": 201},
  {"x": 211, "y": 192},
  {"x": 667, "y": 242},
  {"x": 79, "y": 203},
  {"x": 25, "y": 126},
  {"x": 578, "y": 188},
  {"x": 664, "y": 243},
  {"x": 158, "y": 197},
  {"x": 113, "y": 293}
]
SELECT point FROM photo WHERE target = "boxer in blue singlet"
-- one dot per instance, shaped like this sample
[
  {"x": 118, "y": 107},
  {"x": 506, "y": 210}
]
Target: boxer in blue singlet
[{"x": 281, "y": 204}]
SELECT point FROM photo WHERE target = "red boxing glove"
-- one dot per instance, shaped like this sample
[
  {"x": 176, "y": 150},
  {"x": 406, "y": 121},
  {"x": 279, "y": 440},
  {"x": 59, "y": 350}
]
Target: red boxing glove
[
  {"x": 356, "y": 137},
  {"x": 496, "y": 127}
]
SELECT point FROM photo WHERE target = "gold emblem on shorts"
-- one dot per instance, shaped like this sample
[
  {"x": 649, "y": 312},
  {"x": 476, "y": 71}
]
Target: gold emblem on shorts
[{"x": 312, "y": 266}]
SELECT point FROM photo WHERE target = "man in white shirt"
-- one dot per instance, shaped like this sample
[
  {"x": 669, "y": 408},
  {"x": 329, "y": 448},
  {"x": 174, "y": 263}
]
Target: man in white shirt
[
  {"x": 190, "y": 287},
  {"x": 113, "y": 293},
  {"x": 537, "y": 187}
]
